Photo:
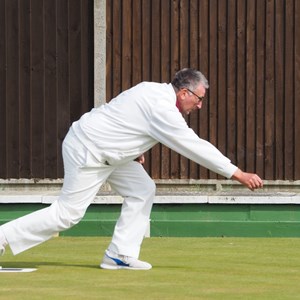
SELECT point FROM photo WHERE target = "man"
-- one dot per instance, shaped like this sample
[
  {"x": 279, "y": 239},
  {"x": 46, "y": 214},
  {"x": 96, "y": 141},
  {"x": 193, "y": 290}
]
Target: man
[{"x": 107, "y": 144}]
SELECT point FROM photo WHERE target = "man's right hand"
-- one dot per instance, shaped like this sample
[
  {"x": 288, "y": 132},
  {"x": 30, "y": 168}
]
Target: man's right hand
[{"x": 250, "y": 180}]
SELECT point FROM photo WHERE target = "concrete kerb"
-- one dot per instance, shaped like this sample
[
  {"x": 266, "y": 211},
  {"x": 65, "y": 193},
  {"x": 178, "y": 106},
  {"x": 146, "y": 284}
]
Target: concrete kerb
[{"x": 187, "y": 191}]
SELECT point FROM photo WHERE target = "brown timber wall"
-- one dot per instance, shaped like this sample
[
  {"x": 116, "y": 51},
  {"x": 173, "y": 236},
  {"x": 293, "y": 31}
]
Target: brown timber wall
[
  {"x": 249, "y": 51},
  {"x": 46, "y": 81}
]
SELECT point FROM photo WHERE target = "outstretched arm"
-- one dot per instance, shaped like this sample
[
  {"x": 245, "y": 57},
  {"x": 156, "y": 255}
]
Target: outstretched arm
[{"x": 250, "y": 180}]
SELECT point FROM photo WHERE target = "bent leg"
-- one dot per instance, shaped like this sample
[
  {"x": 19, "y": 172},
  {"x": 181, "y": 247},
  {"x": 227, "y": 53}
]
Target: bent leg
[
  {"x": 81, "y": 183},
  {"x": 133, "y": 183}
]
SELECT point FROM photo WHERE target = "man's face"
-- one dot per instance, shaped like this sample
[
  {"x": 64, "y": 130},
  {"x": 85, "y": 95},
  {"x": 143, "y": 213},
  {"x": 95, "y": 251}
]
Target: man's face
[{"x": 188, "y": 100}]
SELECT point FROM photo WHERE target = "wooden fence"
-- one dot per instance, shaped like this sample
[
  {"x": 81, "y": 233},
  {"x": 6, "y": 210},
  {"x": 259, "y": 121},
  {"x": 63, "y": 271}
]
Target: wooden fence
[
  {"x": 248, "y": 49},
  {"x": 46, "y": 81}
]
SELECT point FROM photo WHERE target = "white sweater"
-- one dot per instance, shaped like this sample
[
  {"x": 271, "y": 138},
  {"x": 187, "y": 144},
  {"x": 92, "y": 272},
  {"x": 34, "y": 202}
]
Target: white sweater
[{"x": 139, "y": 118}]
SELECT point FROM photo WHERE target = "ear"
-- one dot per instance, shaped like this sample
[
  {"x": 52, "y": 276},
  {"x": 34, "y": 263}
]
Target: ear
[{"x": 181, "y": 94}]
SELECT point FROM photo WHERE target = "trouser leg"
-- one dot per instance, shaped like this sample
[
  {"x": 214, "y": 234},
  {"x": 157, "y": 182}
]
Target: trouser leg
[
  {"x": 83, "y": 178},
  {"x": 133, "y": 183}
]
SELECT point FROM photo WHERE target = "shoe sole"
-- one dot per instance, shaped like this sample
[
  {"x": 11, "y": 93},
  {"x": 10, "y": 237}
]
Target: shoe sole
[{"x": 116, "y": 267}]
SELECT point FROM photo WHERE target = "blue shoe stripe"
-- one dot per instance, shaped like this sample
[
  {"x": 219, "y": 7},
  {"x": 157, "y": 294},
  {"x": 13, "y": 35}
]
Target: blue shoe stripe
[{"x": 118, "y": 261}]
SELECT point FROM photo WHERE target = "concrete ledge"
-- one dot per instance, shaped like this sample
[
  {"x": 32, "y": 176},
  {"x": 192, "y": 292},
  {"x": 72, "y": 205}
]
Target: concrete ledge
[
  {"x": 176, "y": 191},
  {"x": 221, "y": 198}
]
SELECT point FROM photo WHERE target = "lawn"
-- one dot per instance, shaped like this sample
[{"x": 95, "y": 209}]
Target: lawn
[{"x": 183, "y": 268}]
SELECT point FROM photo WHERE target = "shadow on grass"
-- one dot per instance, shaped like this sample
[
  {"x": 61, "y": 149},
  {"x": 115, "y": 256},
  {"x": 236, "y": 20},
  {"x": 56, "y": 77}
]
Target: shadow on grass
[
  {"x": 36, "y": 265},
  {"x": 20, "y": 264}
]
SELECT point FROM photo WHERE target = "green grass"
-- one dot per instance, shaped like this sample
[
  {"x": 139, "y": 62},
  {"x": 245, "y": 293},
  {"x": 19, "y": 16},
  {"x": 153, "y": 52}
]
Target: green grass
[{"x": 183, "y": 268}]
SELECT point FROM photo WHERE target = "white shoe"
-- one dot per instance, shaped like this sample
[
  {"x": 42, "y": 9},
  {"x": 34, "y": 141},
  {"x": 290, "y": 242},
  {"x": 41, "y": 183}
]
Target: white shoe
[{"x": 113, "y": 261}]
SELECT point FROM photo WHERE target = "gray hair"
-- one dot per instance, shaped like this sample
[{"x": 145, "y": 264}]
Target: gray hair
[{"x": 189, "y": 78}]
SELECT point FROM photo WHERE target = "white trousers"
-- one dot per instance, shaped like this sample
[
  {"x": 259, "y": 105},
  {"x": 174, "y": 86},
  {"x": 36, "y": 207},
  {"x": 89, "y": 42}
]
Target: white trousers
[{"x": 84, "y": 175}]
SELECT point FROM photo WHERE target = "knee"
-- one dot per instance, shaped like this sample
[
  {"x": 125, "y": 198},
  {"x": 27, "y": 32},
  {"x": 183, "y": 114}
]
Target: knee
[{"x": 149, "y": 188}]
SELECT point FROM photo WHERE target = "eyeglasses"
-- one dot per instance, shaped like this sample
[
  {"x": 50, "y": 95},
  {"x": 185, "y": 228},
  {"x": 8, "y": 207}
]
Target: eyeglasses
[{"x": 199, "y": 98}]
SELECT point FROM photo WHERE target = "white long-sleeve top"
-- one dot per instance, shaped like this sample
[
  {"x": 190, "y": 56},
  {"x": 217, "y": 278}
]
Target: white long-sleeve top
[{"x": 139, "y": 118}]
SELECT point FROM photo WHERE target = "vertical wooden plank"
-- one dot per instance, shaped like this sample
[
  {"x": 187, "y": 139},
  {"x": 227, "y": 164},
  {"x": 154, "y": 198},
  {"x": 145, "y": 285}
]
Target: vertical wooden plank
[
  {"x": 184, "y": 63},
  {"x": 165, "y": 74},
  {"x": 269, "y": 93},
  {"x": 194, "y": 63},
  {"x": 156, "y": 41},
  {"x": 136, "y": 42},
  {"x": 156, "y": 76},
  {"x": 87, "y": 56},
  {"x": 250, "y": 87},
  {"x": 279, "y": 89},
  {"x": 146, "y": 58},
  {"x": 194, "y": 34},
  {"x": 241, "y": 75},
  {"x": 288, "y": 91},
  {"x": 51, "y": 148},
  {"x": 24, "y": 95},
  {"x": 203, "y": 66},
  {"x": 63, "y": 101},
  {"x": 221, "y": 77},
  {"x": 165, "y": 41},
  {"x": 231, "y": 80},
  {"x": 117, "y": 48},
  {"x": 37, "y": 88},
  {"x": 109, "y": 49},
  {"x": 12, "y": 90},
  {"x": 126, "y": 44},
  {"x": 175, "y": 17},
  {"x": 75, "y": 64},
  {"x": 260, "y": 85},
  {"x": 3, "y": 40},
  {"x": 146, "y": 40},
  {"x": 174, "y": 39},
  {"x": 297, "y": 93},
  {"x": 213, "y": 74}
]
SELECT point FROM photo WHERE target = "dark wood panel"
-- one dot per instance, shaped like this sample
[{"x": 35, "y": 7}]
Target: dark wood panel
[
  {"x": 297, "y": 94},
  {"x": 116, "y": 70},
  {"x": 145, "y": 57},
  {"x": 155, "y": 67},
  {"x": 37, "y": 89},
  {"x": 194, "y": 63},
  {"x": 213, "y": 76},
  {"x": 250, "y": 87},
  {"x": 288, "y": 88},
  {"x": 204, "y": 49},
  {"x": 51, "y": 146},
  {"x": 46, "y": 74},
  {"x": 126, "y": 56},
  {"x": 260, "y": 86},
  {"x": 12, "y": 76},
  {"x": 279, "y": 88},
  {"x": 3, "y": 139},
  {"x": 174, "y": 58},
  {"x": 165, "y": 74},
  {"x": 184, "y": 61},
  {"x": 25, "y": 90},
  {"x": 247, "y": 49},
  {"x": 222, "y": 77},
  {"x": 137, "y": 41},
  {"x": 231, "y": 82},
  {"x": 241, "y": 85},
  {"x": 270, "y": 140}
]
